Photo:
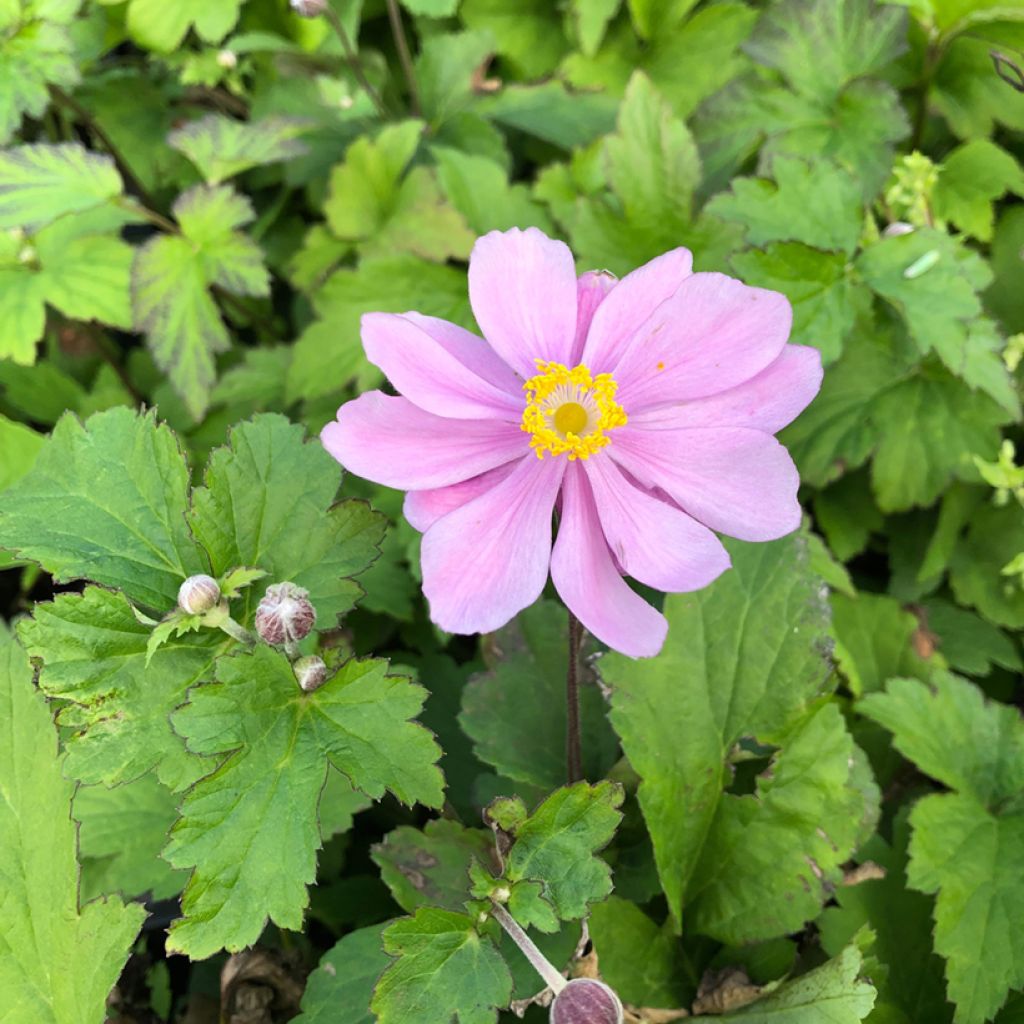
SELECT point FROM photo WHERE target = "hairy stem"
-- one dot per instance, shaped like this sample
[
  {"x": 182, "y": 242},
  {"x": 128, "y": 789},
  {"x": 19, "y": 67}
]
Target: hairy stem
[
  {"x": 352, "y": 57},
  {"x": 573, "y": 744},
  {"x": 540, "y": 963},
  {"x": 398, "y": 31},
  {"x": 237, "y": 631}
]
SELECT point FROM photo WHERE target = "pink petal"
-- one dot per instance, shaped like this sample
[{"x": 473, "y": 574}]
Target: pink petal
[
  {"x": 487, "y": 560},
  {"x": 767, "y": 402},
  {"x": 591, "y": 289},
  {"x": 653, "y": 542},
  {"x": 393, "y": 442},
  {"x": 442, "y": 368},
  {"x": 522, "y": 287},
  {"x": 738, "y": 481},
  {"x": 632, "y": 301},
  {"x": 424, "y": 508},
  {"x": 713, "y": 334},
  {"x": 588, "y": 582}
]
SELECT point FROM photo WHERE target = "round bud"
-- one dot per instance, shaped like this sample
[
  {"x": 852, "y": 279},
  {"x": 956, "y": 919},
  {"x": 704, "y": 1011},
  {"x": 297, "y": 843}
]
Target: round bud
[
  {"x": 311, "y": 672},
  {"x": 285, "y": 614},
  {"x": 198, "y": 594},
  {"x": 227, "y": 59},
  {"x": 586, "y": 1001},
  {"x": 309, "y": 8}
]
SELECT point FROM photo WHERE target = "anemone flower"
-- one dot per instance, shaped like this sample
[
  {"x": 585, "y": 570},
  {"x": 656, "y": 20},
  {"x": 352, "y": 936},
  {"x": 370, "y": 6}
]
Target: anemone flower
[{"x": 638, "y": 413}]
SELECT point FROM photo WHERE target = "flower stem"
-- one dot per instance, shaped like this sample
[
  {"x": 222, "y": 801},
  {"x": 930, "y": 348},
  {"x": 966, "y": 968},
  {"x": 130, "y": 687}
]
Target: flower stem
[
  {"x": 395, "y": 17},
  {"x": 354, "y": 63},
  {"x": 540, "y": 963},
  {"x": 573, "y": 744},
  {"x": 237, "y": 631}
]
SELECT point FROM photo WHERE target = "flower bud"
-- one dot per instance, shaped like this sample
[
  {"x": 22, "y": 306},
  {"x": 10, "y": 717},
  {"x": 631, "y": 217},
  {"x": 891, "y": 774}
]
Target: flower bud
[
  {"x": 285, "y": 614},
  {"x": 311, "y": 672},
  {"x": 227, "y": 59},
  {"x": 586, "y": 1001},
  {"x": 309, "y": 8},
  {"x": 198, "y": 594}
]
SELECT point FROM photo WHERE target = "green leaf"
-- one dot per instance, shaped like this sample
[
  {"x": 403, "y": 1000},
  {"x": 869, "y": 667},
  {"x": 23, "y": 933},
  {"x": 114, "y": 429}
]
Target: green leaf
[
  {"x": 171, "y": 281},
  {"x": 820, "y": 47},
  {"x": 340, "y": 989},
  {"x": 431, "y": 8},
  {"x": 529, "y": 36},
  {"x": 656, "y": 17},
  {"x": 388, "y": 285},
  {"x": 33, "y": 56},
  {"x": 107, "y": 501},
  {"x": 1003, "y": 298},
  {"x": 431, "y": 867},
  {"x": 968, "y": 845},
  {"x": 995, "y": 536},
  {"x": 834, "y": 992},
  {"x": 679, "y": 717},
  {"x": 445, "y": 71},
  {"x": 159, "y": 26},
  {"x": 590, "y": 19},
  {"x": 121, "y": 833},
  {"x": 42, "y": 924},
  {"x": 19, "y": 447},
  {"x": 480, "y": 190},
  {"x": 40, "y": 183},
  {"x": 556, "y": 845},
  {"x": 551, "y": 112},
  {"x": 268, "y": 501},
  {"x": 816, "y": 203},
  {"x": 874, "y": 641},
  {"x": 514, "y": 713},
  {"x": 847, "y": 515},
  {"x": 972, "y": 177},
  {"x": 640, "y": 960},
  {"x": 221, "y": 147},
  {"x": 444, "y": 971},
  {"x": 827, "y": 301},
  {"x": 250, "y": 829},
  {"x": 93, "y": 651},
  {"x": 968, "y": 642}
]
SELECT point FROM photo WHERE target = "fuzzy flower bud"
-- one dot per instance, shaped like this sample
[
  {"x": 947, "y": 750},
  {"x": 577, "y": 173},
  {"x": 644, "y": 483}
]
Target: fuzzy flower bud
[
  {"x": 285, "y": 614},
  {"x": 227, "y": 59},
  {"x": 198, "y": 594},
  {"x": 311, "y": 672},
  {"x": 309, "y": 8},
  {"x": 586, "y": 1001}
]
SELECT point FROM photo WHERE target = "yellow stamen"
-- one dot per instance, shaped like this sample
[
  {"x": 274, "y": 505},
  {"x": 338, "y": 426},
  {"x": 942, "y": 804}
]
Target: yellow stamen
[{"x": 568, "y": 412}]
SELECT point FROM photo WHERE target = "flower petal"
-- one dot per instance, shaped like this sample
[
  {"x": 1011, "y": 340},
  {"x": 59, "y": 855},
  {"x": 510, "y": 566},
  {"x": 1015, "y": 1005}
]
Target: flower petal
[
  {"x": 767, "y": 402},
  {"x": 393, "y": 442},
  {"x": 631, "y": 302},
  {"x": 588, "y": 581},
  {"x": 653, "y": 541},
  {"x": 488, "y": 560},
  {"x": 591, "y": 289},
  {"x": 442, "y": 368},
  {"x": 424, "y": 508},
  {"x": 738, "y": 481},
  {"x": 713, "y": 334},
  {"x": 522, "y": 287}
]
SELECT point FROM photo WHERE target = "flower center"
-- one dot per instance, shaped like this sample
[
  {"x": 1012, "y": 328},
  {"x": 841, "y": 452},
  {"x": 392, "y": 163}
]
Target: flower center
[{"x": 570, "y": 411}]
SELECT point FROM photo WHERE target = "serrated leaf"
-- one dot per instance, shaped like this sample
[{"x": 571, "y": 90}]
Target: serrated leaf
[
  {"x": 969, "y": 642},
  {"x": 679, "y": 716},
  {"x": 160, "y": 26},
  {"x": 654, "y": 17},
  {"x": 968, "y": 845},
  {"x": 556, "y": 845},
  {"x": 431, "y": 867},
  {"x": 591, "y": 18},
  {"x": 19, "y": 447},
  {"x": 340, "y": 989},
  {"x": 121, "y": 833},
  {"x": 268, "y": 501},
  {"x": 816, "y": 203},
  {"x": 445, "y": 71},
  {"x": 39, "y": 183},
  {"x": 106, "y": 501},
  {"x": 42, "y": 924},
  {"x": 444, "y": 971},
  {"x": 221, "y": 147},
  {"x": 94, "y": 655},
  {"x": 827, "y": 301},
  {"x": 971, "y": 178},
  {"x": 529, "y": 36},
  {"x": 250, "y": 828}
]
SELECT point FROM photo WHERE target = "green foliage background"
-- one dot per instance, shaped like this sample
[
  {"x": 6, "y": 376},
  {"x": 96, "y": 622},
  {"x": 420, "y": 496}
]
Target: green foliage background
[{"x": 819, "y": 782}]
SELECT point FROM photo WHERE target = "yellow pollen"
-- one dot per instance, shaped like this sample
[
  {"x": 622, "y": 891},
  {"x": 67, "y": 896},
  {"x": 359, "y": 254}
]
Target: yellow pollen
[{"x": 569, "y": 412}]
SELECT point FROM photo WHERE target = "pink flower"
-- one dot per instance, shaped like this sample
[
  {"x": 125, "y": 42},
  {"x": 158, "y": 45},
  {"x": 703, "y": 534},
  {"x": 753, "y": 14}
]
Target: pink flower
[{"x": 642, "y": 410}]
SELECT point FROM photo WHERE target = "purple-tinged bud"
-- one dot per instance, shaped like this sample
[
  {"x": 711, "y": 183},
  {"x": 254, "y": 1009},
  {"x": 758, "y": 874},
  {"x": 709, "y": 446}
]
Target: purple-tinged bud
[
  {"x": 309, "y": 8},
  {"x": 586, "y": 1001},
  {"x": 285, "y": 614},
  {"x": 311, "y": 672},
  {"x": 198, "y": 595}
]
